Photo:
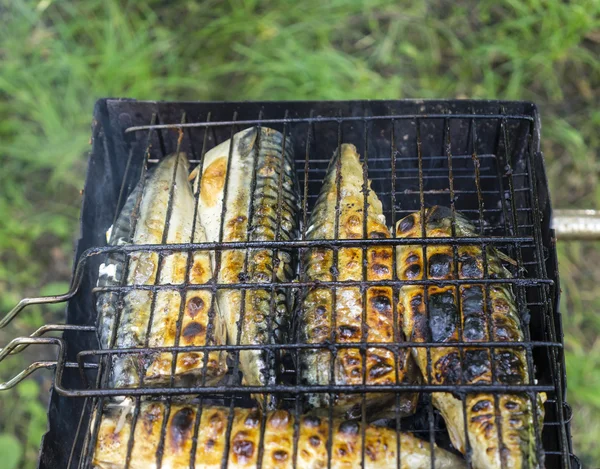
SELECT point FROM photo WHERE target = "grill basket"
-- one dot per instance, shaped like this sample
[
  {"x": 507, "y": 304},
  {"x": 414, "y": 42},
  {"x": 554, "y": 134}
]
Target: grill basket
[{"x": 480, "y": 157}]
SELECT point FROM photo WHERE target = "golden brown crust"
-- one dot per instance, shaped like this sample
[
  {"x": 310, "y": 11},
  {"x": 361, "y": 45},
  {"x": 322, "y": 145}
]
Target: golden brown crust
[
  {"x": 469, "y": 313},
  {"x": 380, "y": 444},
  {"x": 193, "y": 332},
  {"x": 278, "y": 444},
  {"x": 260, "y": 205},
  {"x": 194, "y": 316},
  {"x": 178, "y": 439},
  {"x": 213, "y": 180},
  {"x": 165, "y": 306},
  {"x": 210, "y": 447},
  {"x": 353, "y": 310}
]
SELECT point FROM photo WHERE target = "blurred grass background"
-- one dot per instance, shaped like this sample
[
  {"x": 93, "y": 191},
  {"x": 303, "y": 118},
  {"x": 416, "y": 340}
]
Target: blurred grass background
[{"x": 57, "y": 58}]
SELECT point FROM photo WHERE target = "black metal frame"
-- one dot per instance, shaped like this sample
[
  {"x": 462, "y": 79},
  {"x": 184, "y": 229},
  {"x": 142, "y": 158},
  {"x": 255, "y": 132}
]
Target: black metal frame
[{"x": 479, "y": 158}]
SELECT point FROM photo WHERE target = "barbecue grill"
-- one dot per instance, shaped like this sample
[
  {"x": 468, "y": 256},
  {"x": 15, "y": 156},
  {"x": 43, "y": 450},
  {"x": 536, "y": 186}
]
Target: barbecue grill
[{"x": 482, "y": 158}]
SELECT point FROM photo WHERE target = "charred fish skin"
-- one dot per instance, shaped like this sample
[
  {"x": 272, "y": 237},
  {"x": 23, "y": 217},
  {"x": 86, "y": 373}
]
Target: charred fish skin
[
  {"x": 513, "y": 415},
  {"x": 317, "y": 315},
  {"x": 167, "y": 194},
  {"x": 240, "y": 449},
  {"x": 261, "y": 204}
]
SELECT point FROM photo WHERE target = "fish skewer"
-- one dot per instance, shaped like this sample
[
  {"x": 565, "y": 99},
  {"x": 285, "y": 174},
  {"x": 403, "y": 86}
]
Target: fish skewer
[
  {"x": 242, "y": 449},
  {"x": 134, "y": 330},
  {"x": 317, "y": 314},
  {"x": 484, "y": 315},
  {"x": 261, "y": 203}
]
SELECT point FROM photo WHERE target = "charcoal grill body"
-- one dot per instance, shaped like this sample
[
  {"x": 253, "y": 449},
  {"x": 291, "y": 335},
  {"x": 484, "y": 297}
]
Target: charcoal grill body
[{"x": 407, "y": 145}]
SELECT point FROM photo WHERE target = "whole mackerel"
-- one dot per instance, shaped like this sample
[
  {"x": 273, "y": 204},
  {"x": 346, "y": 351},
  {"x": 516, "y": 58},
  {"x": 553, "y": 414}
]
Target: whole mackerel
[
  {"x": 501, "y": 434},
  {"x": 132, "y": 316},
  {"x": 335, "y": 315},
  {"x": 111, "y": 273},
  {"x": 256, "y": 201},
  {"x": 192, "y": 436}
]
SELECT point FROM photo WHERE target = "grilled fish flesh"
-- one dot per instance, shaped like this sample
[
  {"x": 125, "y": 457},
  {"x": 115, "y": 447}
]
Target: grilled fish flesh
[
  {"x": 261, "y": 205},
  {"x": 336, "y": 314},
  {"x": 482, "y": 316},
  {"x": 202, "y": 440},
  {"x": 137, "y": 306}
]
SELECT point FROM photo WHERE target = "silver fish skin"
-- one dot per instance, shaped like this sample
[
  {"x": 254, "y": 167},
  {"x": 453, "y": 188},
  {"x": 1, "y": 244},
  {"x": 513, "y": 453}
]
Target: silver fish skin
[
  {"x": 501, "y": 434},
  {"x": 137, "y": 305},
  {"x": 261, "y": 205},
  {"x": 319, "y": 313},
  {"x": 111, "y": 272},
  {"x": 212, "y": 446}
]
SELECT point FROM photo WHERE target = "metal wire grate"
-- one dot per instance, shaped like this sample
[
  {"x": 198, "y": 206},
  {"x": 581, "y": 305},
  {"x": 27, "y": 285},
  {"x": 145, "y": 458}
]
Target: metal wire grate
[{"x": 479, "y": 159}]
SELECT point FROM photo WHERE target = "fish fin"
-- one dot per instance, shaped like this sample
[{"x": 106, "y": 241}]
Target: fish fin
[
  {"x": 194, "y": 173},
  {"x": 505, "y": 257},
  {"x": 126, "y": 407}
]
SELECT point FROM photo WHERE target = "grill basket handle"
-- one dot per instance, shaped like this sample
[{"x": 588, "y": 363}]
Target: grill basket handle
[{"x": 576, "y": 224}]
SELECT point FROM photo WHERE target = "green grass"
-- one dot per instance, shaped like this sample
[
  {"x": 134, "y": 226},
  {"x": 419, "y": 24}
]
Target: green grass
[{"x": 57, "y": 58}]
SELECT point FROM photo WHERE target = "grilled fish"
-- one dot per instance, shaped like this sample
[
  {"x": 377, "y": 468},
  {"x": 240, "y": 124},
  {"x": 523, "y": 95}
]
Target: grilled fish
[
  {"x": 194, "y": 315},
  {"x": 110, "y": 273},
  {"x": 201, "y": 440},
  {"x": 261, "y": 205},
  {"x": 482, "y": 316},
  {"x": 336, "y": 314}
]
